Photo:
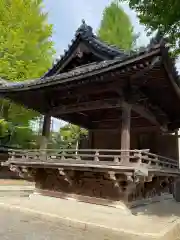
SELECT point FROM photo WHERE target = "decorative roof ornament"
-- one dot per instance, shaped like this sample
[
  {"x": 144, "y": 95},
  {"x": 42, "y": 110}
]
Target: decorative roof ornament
[{"x": 84, "y": 30}]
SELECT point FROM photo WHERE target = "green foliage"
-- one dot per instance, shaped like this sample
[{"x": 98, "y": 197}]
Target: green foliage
[
  {"x": 3, "y": 127},
  {"x": 67, "y": 137},
  {"x": 71, "y": 134},
  {"x": 22, "y": 137},
  {"x": 55, "y": 141},
  {"x": 17, "y": 136},
  {"x": 26, "y": 52},
  {"x": 116, "y": 28},
  {"x": 163, "y": 15}
]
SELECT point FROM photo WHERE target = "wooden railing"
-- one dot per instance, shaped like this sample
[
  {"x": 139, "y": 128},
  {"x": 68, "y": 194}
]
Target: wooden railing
[{"x": 93, "y": 156}]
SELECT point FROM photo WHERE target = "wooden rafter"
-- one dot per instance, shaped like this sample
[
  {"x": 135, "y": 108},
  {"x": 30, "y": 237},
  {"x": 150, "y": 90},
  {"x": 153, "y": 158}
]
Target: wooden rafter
[
  {"x": 141, "y": 73},
  {"x": 133, "y": 129},
  {"x": 85, "y": 91},
  {"x": 145, "y": 113},
  {"x": 113, "y": 119},
  {"x": 86, "y": 106},
  {"x": 142, "y": 99},
  {"x": 102, "y": 104}
]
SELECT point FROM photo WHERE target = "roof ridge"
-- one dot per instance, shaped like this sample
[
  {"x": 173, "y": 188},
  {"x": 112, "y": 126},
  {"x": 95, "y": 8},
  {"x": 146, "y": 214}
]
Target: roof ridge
[{"x": 85, "y": 32}]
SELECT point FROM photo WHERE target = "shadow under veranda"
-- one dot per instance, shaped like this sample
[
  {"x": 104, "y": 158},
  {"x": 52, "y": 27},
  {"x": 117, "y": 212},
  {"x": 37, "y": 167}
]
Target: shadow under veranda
[{"x": 163, "y": 208}]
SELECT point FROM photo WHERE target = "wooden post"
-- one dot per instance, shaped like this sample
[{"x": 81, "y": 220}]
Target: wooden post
[
  {"x": 45, "y": 132},
  {"x": 177, "y": 147},
  {"x": 125, "y": 132}
]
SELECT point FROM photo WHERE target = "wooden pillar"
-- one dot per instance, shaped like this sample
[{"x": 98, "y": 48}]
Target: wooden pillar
[
  {"x": 90, "y": 136},
  {"x": 125, "y": 132},
  {"x": 177, "y": 147},
  {"x": 45, "y": 132}
]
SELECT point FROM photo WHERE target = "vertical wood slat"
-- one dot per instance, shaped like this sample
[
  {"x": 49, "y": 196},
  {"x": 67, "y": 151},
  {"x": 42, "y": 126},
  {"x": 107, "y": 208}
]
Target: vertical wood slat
[{"x": 125, "y": 132}]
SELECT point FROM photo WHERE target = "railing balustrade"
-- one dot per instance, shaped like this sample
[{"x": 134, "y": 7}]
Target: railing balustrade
[{"x": 93, "y": 156}]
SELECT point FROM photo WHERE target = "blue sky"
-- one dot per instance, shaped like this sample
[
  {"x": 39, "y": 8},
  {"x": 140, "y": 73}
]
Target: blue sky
[{"x": 66, "y": 16}]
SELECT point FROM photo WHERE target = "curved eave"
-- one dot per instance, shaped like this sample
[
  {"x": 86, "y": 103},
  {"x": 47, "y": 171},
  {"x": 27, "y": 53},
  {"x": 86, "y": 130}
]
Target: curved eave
[
  {"x": 173, "y": 77},
  {"x": 171, "y": 70},
  {"x": 102, "y": 49},
  {"x": 77, "y": 74}
]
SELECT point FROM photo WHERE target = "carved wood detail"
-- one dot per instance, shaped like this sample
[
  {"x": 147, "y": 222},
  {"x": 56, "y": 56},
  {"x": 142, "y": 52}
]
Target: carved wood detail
[
  {"x": 106, "y": 185},
  {"x": 97, "y": 174}
]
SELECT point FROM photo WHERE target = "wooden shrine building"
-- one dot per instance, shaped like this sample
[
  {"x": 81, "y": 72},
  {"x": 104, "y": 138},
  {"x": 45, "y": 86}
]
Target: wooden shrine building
[{"x": 129, "y": 102}]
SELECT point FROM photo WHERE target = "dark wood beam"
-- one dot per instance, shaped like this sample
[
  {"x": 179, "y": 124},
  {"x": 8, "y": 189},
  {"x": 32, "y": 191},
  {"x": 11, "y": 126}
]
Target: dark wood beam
[
  {"x": 143, "y": 98},
  {"x": 100, "y": 87},
  {"x": 136, "y": 123},
  {"x": 145, "y": 113},
  {"x": 102, "y": 104},
  {"x": 140, "y": 74},
  {"x": 113, "y": 119},
  {"x": 97, "y": 123},
  {"x": 86, "y": 106},
  {"x": 133, "y": 129},
  {"x": 77, "y": 119},
  {"x": 88, "y": 89}
]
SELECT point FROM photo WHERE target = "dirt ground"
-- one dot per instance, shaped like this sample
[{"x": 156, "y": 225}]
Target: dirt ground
[{"x": 15, "y": 182}]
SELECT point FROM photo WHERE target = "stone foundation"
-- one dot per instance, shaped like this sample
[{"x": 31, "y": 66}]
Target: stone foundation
[
  {"x": 83, "y": 183},
  {"x": 154, "y": 221},
  {"x": 105, "y": 186}
]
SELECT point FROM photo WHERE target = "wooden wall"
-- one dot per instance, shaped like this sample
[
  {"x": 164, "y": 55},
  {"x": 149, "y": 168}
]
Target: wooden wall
[{"x": 165, "y": 145}]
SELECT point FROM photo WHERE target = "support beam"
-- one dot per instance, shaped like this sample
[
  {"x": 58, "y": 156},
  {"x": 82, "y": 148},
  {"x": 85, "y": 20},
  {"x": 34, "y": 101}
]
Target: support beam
[
  {"x": 114, "y": 122},
  {"x": 86, "y": 106},
  {"x": 142, "y": 99},
  {"x": 87, "y": 90},
  {"x": 102, "y": 104},
  {"x": 140, "y": 74},
  {"x": 113, "y": 119},
  {"x": 136, "y": 129},
  {"x": 145, "y": 113},
  {"x": 45, "y": 131},
  {"x": 125, "y": 132}
]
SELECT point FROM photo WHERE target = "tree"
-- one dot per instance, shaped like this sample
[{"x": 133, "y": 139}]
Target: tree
[
  {"x": 162, "y": 15},
  {"x": 116, "y": 27},
  {"x": 71, "y": 135},
  {"x": 26, "y": 51},
  {"x": 68, "y": 137},
  {"x": 25, "y": 47},
  {"x": 23, "y": 137}
]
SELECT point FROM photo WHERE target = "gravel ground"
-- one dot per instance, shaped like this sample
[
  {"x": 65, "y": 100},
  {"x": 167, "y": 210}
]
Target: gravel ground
[
  {"x": 24, "y": 226},
  {"x": 18, "y": 225}
]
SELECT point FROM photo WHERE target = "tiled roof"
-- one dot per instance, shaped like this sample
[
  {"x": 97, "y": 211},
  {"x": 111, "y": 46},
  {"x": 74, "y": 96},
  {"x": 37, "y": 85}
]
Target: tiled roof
[
  {"x": 85, "y": 33},
  {"x": 114, "y": 58},
  {"x": 77, "y": 73}
]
